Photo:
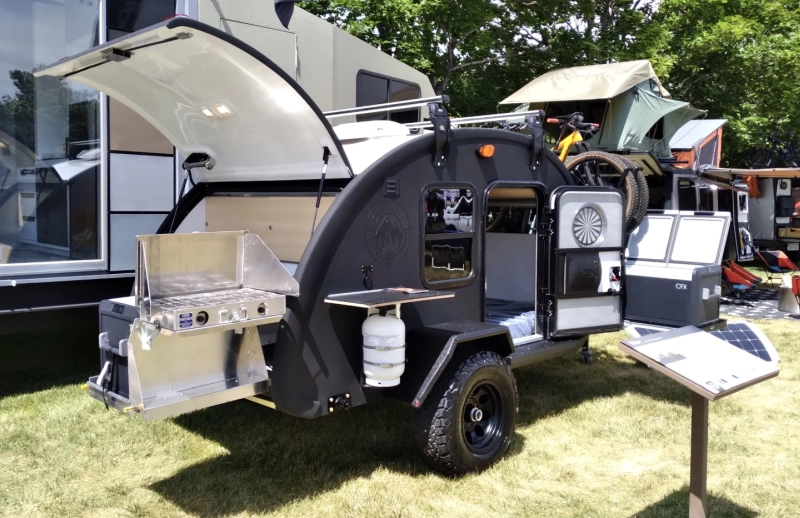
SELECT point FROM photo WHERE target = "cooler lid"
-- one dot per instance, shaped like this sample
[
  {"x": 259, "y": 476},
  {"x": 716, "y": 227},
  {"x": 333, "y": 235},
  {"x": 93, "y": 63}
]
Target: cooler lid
[
  {"x": 650, "y": 241},
  {"x": 700, "y": 238},
  {"x": 211, "y": 93},
  {"x": 673, "y": 238}
]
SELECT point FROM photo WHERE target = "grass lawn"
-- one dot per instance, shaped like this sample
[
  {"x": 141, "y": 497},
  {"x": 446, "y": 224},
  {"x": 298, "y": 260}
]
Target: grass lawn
[{"x": 607, "y": 440}]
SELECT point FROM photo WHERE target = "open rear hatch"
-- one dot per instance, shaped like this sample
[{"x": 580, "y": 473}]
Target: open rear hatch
[
  {"x": 188, "y": 338},
  {"x": 212, "y": 94}
]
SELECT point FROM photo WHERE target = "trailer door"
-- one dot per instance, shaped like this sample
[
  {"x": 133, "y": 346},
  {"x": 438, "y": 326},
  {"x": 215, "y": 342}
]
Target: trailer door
[{"x": 582, "y": 242}]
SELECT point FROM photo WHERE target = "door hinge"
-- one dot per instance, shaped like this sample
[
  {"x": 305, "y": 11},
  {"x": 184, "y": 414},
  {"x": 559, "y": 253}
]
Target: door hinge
[
  {"x": 547, "y": 223},
  {"x": 545, "y": 313}
]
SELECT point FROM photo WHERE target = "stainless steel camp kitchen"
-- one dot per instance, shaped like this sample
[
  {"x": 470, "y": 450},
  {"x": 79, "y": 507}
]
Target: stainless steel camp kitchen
[{"x": 313, "y": 270}]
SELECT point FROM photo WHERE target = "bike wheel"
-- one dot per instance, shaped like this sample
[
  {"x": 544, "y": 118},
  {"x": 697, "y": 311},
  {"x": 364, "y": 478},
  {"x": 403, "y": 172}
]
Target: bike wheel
[{"x": 606, "y": 169}]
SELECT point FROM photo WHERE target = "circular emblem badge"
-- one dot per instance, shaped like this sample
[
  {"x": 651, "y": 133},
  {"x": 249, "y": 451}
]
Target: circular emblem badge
[
  {"x": 388, "y": 233},
  {"x": 587, "y": 227}
]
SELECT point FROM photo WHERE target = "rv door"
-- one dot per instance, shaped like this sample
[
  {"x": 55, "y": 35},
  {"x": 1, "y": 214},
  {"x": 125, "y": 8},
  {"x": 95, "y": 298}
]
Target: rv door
[{"x": 583, "y": 241}]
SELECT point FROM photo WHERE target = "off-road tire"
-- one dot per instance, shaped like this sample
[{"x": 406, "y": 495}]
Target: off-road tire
[
  {"x": 637, "y": 195},
  {"x": 444, "y": 433}
]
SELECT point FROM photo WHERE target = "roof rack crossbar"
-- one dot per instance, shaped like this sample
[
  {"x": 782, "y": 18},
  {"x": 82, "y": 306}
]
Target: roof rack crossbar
[
  {"x": 386, "y": 107},
  {"x": 478, "y": 119}
]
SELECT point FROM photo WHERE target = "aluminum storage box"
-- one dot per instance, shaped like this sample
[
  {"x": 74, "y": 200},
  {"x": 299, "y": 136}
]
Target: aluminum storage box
[{"x": 673, "y": 273}]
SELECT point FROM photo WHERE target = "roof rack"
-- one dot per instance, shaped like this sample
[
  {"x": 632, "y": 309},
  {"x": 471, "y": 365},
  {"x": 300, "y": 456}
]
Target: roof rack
[
  {"x": 478, "y": 119},
  {"x": 387, "y": 107}
]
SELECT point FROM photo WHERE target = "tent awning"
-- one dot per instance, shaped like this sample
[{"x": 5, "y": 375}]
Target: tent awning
[
  {"x": 694, "y": 132},
  {"x": 730, "y": 174},
  {"x": 586, "y": 83}
]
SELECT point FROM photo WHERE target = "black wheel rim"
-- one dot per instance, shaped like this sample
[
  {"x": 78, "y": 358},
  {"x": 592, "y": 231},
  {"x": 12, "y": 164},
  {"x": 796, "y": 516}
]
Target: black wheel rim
[
  {"x": 483, "y": 418},
  {"x": 597, "y": 173}
]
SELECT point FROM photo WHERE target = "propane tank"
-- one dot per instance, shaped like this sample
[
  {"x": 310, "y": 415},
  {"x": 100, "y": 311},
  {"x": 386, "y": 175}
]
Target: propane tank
[{"x": 384, "y": 350}]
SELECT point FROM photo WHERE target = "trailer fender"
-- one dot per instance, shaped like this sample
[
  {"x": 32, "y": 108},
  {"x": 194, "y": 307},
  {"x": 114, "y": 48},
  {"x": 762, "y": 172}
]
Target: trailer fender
[{"x": 431, "y": 349}]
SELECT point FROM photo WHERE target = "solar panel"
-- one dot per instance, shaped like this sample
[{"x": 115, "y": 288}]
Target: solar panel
[
  {"x": 744, "y": 335},
  {"x": 644, "y": 331},
  {"x": 748, "y": 337}
]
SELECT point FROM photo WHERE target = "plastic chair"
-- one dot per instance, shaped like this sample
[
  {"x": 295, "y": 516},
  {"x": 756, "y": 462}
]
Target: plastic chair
[
  {"x": 775, "y": 262},
  {"x": 796, "y": 288},
  {"x": 741, "y": 271},
  {"x": 738, "y": 285}
]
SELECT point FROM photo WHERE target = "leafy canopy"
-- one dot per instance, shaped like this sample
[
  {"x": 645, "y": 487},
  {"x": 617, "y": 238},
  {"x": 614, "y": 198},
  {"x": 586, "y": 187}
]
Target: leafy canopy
[{"x": 738, "y": 59}]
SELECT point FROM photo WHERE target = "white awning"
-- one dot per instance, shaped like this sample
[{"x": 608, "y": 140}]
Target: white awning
[{"x": 694, "y": 132}]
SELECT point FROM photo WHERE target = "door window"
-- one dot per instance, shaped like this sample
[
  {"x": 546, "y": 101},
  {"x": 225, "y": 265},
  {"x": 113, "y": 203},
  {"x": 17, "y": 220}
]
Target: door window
[{"x": 449, "y": 235}]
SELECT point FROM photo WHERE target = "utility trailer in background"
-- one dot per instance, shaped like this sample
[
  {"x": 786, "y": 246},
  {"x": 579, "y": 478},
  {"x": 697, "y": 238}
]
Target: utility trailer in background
[
  {"x": 772, "y": 208},
  {"x": 296, "y": 283}
]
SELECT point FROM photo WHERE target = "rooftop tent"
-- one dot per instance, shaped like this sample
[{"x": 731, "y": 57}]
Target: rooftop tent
[
  {"x": 631, "y": 105},
  {"x": 588, "y": 83},
  {"x": 698, "y": 143}
]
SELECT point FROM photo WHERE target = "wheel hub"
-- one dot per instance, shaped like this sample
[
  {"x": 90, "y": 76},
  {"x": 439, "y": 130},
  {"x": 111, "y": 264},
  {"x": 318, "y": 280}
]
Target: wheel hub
[
  {"x": 475, "y": 415},
  {"x": 483, "y": 424}
]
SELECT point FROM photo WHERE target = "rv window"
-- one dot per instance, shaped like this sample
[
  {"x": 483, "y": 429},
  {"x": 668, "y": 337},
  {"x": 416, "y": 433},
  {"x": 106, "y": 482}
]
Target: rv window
[
  {"x": 374, "y": 88},
  {"x": 449, "y": 234},
  {"x": 132, "y": 15}
]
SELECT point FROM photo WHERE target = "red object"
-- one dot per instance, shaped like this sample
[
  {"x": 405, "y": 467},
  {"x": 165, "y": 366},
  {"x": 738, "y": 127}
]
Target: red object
[
  {"x": 785, "y": 262},
  {"x": 742, "y": 272},
  {"x": 775, "y": 263},
  {"x": 796, "y": 286},
  {"x": 734, "y": 278},
  {"x": 554, "y": 121}
]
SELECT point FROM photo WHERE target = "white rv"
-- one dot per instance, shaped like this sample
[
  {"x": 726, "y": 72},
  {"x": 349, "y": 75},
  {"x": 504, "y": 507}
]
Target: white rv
[{"x": 84, "y": 174}]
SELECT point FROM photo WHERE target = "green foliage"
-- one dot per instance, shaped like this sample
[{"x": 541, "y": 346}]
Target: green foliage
[{"x": 738, "y": 59}]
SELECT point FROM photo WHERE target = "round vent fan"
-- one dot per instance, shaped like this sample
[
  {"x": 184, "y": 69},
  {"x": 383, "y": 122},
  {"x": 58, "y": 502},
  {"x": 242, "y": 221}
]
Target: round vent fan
[{"x": 587, "y": 226}]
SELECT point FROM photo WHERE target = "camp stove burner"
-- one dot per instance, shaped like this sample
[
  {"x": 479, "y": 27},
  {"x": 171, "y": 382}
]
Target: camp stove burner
[
  {"x": 183, "y": 312},
  {"x": 215, "y": 281}
]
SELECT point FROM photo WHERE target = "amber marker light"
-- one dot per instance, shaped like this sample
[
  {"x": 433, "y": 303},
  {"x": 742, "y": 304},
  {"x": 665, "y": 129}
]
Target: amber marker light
[{"x": 486, "y": 151}]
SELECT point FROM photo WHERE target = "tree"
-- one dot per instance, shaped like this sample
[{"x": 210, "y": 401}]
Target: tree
[
  {"x": 480, "y": 51},
  {"x": 738, "y": 59}
]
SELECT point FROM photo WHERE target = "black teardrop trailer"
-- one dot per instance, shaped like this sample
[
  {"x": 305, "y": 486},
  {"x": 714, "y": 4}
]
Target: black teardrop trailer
[{"x": 503, "y": 262}]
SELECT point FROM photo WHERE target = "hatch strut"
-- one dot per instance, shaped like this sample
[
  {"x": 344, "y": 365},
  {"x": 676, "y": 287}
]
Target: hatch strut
[
  {"x": 326, "y": 153},
  {"x": 114, "y": 54}
]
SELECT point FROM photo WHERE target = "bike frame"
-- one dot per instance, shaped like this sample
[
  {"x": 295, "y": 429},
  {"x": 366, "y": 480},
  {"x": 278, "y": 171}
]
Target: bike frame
[{"x": 562, "y": 148}]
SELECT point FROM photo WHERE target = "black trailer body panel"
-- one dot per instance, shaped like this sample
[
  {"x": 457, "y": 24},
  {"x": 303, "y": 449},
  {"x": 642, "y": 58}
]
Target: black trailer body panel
[
  {"x": 430, "y": 350},
  {"x": 318, "y": 350},
  {"x": 375, "y": 224}
]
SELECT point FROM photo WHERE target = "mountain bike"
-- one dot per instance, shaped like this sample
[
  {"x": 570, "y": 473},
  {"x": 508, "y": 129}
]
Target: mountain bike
[{"x": 600, "y": 168}]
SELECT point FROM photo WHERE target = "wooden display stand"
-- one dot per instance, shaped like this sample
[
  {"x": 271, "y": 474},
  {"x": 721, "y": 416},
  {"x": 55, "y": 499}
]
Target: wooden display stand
[{"x": 711, "y": 368}]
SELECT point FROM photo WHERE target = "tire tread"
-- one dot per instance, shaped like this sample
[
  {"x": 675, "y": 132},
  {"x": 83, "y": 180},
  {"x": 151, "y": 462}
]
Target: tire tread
[{"x": 434, "y": 430}]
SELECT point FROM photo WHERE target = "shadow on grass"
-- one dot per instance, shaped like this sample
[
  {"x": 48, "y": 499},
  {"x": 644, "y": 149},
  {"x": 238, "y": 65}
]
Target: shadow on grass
[
  {"x": 275, "y": 459},
  {"x": 552, "y": 387},
  {"x": 677, "y": 504},
  {"x": 41, "y": 359}
]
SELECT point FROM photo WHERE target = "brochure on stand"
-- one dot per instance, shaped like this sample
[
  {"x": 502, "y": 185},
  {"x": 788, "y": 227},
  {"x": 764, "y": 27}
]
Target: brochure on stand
[{"x": 700, "y": 361}]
